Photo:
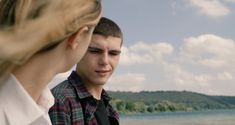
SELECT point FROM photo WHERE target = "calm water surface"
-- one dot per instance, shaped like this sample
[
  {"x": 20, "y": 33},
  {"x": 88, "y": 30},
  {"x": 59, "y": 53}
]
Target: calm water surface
[{"x": 216, "y": 117}]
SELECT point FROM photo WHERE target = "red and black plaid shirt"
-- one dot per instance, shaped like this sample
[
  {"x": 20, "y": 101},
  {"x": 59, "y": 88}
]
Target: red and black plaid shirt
[{"x": 74, "y": 105}]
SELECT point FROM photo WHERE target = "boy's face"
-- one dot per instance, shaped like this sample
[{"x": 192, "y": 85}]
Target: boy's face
[{"x": 100, "y": 60}]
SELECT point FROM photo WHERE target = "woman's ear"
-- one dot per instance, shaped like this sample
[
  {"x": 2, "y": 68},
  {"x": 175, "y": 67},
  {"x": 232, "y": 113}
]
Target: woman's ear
[{"x": 73, "y": 40}]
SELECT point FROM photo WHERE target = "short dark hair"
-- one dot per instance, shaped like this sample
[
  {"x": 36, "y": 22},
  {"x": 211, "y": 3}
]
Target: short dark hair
[{"x": 107, "y": 27}]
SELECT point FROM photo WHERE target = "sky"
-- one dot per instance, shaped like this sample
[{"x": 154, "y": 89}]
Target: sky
[{"x": 182, "y": 45}]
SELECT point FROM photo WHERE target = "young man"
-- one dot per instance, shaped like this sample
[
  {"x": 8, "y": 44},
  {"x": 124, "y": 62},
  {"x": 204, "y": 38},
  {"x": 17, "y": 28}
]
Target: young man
[
  {"x": 81, "y": 99},
  {"x": 25, "y": 97}
]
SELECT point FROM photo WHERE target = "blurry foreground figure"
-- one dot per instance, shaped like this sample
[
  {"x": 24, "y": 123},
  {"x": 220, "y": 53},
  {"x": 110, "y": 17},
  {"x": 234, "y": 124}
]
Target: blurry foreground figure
[
  {"x": 27, "y": 26},
  {"x": 39, "y": 39}
]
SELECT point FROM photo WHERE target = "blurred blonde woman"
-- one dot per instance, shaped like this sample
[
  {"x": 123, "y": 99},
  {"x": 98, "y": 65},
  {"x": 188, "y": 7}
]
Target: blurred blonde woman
[
  {"x": 39, "y": 39},
  {"x": 26, "y": 26}
]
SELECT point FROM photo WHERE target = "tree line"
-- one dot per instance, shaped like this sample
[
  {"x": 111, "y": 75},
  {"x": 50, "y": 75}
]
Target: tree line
[{"x": 168, "y": 101}]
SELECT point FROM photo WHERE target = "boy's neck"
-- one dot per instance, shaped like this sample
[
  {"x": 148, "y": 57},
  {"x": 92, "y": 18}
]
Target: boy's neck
[{"x": 95, "y": 91}]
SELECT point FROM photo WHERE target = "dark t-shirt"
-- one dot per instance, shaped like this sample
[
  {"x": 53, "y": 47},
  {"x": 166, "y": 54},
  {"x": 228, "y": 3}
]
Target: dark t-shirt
[{"x": 101, "y": 114}]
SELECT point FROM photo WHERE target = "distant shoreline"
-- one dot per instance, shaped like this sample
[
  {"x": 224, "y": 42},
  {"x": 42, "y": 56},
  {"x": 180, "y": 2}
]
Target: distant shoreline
[{"x": 168, "y": 101}]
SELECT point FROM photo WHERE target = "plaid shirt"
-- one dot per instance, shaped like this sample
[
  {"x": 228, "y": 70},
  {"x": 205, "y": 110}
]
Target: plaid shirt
[{"x": 74, "y": 105}]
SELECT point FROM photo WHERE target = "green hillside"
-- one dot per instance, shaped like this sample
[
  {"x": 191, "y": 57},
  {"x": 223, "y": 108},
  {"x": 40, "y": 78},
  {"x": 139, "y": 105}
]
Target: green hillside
[{"x": 160, "y": 101}]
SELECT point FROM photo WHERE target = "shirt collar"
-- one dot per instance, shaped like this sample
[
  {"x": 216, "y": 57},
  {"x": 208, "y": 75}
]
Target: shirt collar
[
  {"x": 46, "y": 100},
  {"x": 76, "y": 81},
  {"x": 81, "y": 89},
  {"x": 19, "y": 107}
]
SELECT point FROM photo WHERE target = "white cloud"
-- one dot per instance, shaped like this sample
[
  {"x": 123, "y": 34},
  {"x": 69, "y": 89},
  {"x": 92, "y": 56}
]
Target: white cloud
[
  {"x": 212, "y": 8},
  {"x": 126, "y": 82},
  {"x": 207, "y": 66},
  {"x": 128, "y": 57},
  {"x": 225, "y": 76},
  {"x": 181, "y": 77},
  {"x": 178, "y": 77},
  {"x": 210, "y": 50},
  {"x": 142, "y": 53}
]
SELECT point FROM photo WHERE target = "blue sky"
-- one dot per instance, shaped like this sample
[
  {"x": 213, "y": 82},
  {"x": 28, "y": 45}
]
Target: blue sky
[{"x": 174, "y": 45}]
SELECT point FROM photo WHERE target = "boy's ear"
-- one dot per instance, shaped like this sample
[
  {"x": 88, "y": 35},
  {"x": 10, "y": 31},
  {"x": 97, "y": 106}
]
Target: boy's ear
[{"x": 74, "y": 39}]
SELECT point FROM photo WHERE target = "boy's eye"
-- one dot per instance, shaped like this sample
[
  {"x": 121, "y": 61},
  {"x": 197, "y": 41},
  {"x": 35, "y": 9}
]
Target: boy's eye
[
  {"x": 94, "y": 50},
  {"x": 114, "y": 53}
]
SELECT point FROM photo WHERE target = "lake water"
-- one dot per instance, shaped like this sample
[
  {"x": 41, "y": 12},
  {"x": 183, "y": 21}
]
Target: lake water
[{"x": 216, "y": 117}]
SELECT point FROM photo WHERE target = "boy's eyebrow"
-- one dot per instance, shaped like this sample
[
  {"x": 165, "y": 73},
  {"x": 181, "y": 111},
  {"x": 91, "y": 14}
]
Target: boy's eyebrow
[
  {"x": 92, "y": 47},
  {"x": 116, "y": 51},
  {"x": 97, "y": 48}
]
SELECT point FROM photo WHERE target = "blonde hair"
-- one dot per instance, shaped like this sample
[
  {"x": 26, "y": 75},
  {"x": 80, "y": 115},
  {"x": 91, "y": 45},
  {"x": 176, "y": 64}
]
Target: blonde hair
[{"x": 27, "y": 26}]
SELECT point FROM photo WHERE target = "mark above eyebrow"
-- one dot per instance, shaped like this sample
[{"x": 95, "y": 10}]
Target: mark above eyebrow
[
  {"x": 116, "y": 51},
  {"x": 91, "y": 47}
]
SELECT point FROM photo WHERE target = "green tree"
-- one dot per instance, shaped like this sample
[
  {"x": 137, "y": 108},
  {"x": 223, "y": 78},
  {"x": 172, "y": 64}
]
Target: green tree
[
  {"x": 140, "y": 107},
  {"x": 151, "y": 108},
  {"x": 121, "y": 106},
  {"x": 130, "y": 106}
]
